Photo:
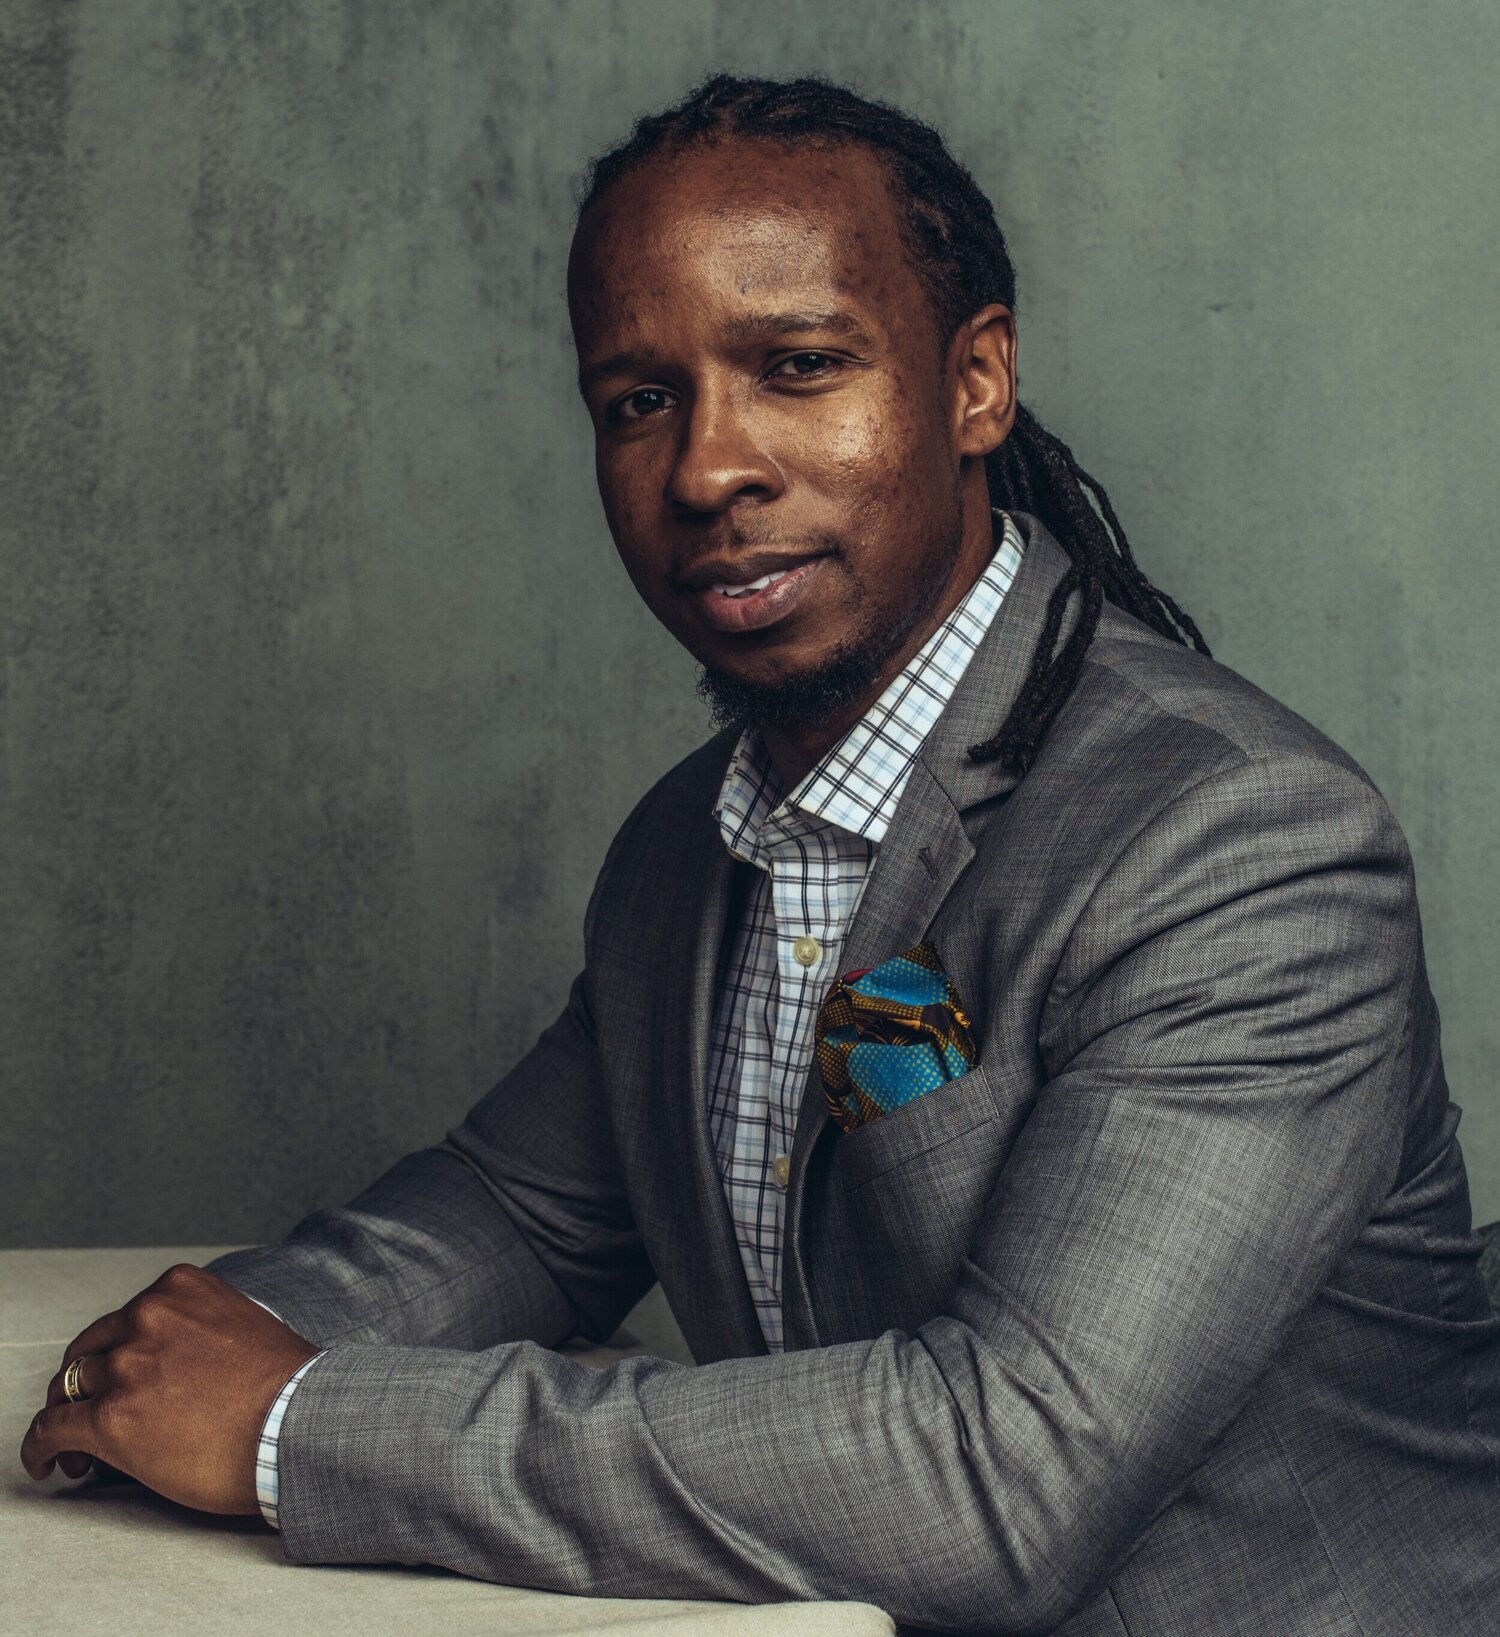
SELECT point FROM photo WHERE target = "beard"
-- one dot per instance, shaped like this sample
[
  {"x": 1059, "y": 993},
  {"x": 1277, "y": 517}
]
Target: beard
[{"x": 805, "y": 699}]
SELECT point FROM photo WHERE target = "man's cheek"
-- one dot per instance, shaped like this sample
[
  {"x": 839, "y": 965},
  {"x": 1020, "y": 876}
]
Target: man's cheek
[{"x": 849, "y": 441}]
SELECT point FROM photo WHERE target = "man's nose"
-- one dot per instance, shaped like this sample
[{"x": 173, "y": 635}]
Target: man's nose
[{"x": 719, "y": 459}]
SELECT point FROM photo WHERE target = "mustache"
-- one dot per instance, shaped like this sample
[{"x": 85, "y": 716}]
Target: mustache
[{"x": 740, "y": 539}]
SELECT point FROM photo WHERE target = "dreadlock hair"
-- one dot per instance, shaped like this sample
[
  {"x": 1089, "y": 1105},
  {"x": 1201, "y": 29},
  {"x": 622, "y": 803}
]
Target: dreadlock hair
[{"x": 959, "y": 254}]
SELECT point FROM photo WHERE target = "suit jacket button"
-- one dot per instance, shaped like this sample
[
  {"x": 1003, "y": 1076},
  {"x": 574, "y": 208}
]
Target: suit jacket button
[{"x": 782, "y": 1166}]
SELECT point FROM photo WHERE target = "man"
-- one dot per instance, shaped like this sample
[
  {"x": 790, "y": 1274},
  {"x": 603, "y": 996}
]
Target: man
[{"x": 1094, "y": 1254}]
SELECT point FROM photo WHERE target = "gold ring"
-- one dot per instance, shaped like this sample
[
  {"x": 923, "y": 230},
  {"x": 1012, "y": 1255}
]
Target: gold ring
[{"x": 72, "y": 1380}]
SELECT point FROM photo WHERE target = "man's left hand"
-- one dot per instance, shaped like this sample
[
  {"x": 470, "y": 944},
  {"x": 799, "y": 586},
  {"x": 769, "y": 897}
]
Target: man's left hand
[{"x": 178, "y": 1383}]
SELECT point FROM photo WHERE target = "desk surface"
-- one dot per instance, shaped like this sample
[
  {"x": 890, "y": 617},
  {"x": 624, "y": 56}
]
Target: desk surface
[{"x": 117, "y": 1558}]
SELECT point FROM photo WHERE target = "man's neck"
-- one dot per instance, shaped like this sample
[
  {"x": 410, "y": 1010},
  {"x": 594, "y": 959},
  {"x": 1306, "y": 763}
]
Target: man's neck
[
  {"x": 795, "y": 751},
  {"x": 794, "y": 754}
]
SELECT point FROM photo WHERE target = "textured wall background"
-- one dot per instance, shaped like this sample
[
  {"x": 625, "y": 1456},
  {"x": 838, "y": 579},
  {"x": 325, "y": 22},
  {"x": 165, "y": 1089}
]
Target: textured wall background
[{"x": 323, "y": 691}]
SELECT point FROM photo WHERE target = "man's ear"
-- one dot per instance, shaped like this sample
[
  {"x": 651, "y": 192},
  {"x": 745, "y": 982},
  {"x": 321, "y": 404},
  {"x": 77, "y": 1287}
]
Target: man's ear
[{"x": 983, "y": 357}]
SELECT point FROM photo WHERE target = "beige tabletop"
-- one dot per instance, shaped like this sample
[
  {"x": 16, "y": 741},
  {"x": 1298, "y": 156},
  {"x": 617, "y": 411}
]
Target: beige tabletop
[{"x": 116, "y": 1558}]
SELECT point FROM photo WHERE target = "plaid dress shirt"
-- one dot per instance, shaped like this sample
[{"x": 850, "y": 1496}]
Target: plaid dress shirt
[{"x": 813, "y": 850}]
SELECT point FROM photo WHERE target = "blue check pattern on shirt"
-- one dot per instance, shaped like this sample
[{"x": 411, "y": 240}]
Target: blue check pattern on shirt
[
  {"x": 812, "y": 849},
  {"x": 267, "y": 1477}
]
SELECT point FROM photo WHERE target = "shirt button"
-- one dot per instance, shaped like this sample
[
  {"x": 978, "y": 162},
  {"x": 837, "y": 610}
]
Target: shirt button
[
  {"x": 782, "y": 1166},
  {"x": 807, "y": 950}
]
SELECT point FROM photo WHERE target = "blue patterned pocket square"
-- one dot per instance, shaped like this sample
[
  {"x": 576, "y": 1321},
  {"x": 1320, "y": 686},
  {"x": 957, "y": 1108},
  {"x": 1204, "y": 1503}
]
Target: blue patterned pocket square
[{"x": 888, "y": 1034}]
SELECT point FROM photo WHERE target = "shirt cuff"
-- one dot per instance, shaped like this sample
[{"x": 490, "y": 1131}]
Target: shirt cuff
[{"x": 267, "y": 1477}]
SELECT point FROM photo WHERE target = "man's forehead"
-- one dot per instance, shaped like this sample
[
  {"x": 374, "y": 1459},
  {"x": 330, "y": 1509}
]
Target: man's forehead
[{"x": 765, "y": 214}]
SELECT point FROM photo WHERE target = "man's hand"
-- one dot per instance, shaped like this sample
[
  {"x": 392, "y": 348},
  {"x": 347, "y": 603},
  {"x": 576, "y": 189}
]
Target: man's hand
[{"x": 178, "y": 1382}]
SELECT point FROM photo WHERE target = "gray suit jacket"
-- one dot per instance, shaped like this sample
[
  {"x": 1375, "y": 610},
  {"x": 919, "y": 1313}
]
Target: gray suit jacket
[{"x": 1164, "y": 1319}]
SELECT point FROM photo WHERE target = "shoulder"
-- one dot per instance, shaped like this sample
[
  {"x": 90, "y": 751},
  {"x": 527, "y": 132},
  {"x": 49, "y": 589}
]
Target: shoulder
[
  {"x": 1152, "y": 714},
  {"x": 1189, "y": 811},
  {"x": 1155, "y": 738},
  {"x": 1152, "y": 686}
]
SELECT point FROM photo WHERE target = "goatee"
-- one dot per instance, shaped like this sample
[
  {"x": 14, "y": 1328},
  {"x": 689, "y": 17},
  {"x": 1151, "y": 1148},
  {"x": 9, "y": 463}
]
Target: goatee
[{"x": 809, "y": 698}]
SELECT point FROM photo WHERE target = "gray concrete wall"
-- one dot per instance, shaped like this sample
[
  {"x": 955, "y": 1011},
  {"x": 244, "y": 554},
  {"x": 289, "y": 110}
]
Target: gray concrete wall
[{"x": 323, "y": 691}]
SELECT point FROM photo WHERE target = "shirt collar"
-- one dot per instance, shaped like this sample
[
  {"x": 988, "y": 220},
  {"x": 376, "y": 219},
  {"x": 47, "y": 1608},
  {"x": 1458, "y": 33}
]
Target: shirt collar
[{"x": 858, "y": 783}]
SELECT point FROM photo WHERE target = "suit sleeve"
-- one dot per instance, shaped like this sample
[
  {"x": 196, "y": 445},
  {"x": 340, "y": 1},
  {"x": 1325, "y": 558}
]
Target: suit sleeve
[
  {"x": 515, "y": 1226},
  {"x": 1225, "y": 1049}
]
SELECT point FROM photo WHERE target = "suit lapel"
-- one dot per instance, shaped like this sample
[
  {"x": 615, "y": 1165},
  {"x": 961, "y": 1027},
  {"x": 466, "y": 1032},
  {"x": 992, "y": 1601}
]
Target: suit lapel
[{"x": 927, "y": 847}]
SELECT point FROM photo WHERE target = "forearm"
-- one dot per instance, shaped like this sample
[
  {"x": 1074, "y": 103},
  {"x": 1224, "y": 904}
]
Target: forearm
[{"x": 854, "y": 1472}]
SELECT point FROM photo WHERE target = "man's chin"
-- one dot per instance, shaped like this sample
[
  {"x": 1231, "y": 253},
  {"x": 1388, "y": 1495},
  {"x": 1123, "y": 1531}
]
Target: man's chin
[{"x": 792, "y": 703}]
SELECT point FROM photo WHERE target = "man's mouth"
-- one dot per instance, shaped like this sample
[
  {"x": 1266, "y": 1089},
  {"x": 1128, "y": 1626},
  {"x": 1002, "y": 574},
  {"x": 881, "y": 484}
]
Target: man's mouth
[
  {"x": 751, "y": 585},
  {"x": 751, "y": 605}
]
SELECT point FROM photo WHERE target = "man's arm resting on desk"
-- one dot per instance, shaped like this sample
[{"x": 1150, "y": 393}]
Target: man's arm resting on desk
[{"x": 1225, "y": 1045}]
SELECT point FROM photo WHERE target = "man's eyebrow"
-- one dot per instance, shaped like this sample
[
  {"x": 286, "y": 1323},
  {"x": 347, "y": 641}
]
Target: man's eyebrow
[
  {"x": 769, "y": 326},
  {"x": 740, "y": 331},
  {"x": 618, "y": 363}
]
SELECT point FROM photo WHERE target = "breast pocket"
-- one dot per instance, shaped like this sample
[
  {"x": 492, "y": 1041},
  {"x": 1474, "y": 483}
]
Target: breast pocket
[
  {"x": 940, "y": 1116},
  {"x": 915, "y": 1184}
]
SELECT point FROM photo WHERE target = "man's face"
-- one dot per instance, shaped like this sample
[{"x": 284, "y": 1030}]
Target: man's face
[{"x": 769, "y": 392}]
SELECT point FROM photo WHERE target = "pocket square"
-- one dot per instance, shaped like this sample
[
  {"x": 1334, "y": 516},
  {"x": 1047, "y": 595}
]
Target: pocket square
[{"x": 888, "y": 1034}]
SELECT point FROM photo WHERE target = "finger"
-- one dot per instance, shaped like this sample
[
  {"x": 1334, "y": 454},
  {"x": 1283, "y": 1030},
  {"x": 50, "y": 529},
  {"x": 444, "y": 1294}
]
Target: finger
[
  {"x": 91, "y": 1380},
  {"x": 74, "y": 1463},
  {"x": 70, "y": 1427}
]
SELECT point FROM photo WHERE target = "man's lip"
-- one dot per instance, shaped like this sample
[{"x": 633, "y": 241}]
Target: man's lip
[
  {"x": 760, "y": 608},
  {"x": 742, "y": 569}
]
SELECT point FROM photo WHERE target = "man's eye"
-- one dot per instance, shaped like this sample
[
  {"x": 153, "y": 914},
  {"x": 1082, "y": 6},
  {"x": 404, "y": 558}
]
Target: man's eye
[
  {"x": 635, "y": 406},
  {"x": 805, "y": 363}
]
